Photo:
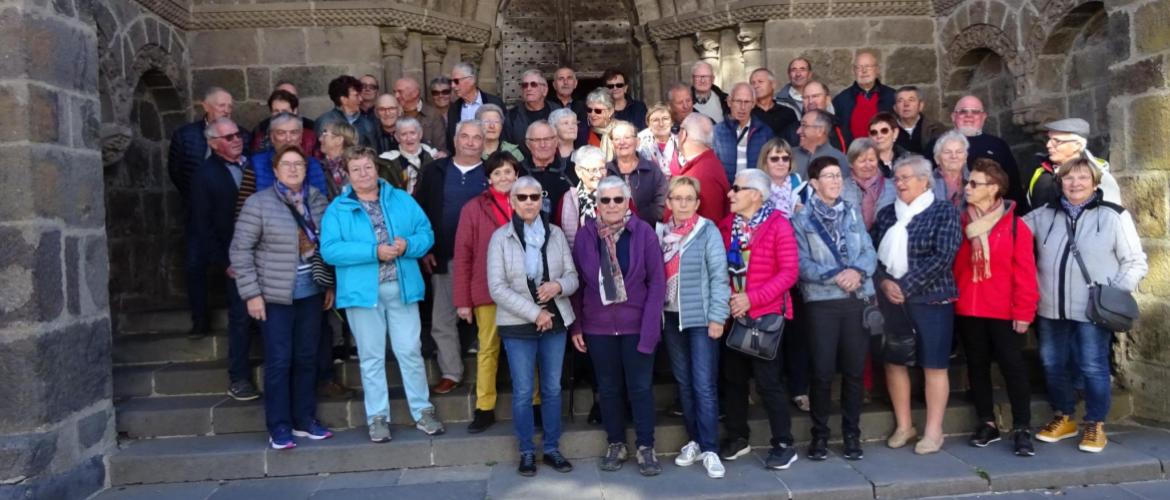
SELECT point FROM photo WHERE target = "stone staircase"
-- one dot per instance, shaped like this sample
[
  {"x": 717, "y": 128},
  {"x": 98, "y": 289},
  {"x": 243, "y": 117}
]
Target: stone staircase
[{"x": 176, "y": 424}]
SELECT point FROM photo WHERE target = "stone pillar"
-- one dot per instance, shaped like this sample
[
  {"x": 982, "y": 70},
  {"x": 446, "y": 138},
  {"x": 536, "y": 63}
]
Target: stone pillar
[
  {"x": 751, "y": 38},
  {"x": 56, "y": 415},
  {"x": 730, "y": 70},
  {"x": 394, "y": 42},
  {"x": 434, "y": 47},
  {"x": 707, "y": 49},
  {"x": 412, "y": 60},
  {"x": 668, "y": 63}
]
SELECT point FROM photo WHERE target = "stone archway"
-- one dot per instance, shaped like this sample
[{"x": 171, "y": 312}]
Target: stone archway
[{"x": 1069, "y": 78}]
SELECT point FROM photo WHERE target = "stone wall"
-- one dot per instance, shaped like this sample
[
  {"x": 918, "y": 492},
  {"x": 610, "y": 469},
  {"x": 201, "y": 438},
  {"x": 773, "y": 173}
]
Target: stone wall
[{"x": 56, "y": 417}]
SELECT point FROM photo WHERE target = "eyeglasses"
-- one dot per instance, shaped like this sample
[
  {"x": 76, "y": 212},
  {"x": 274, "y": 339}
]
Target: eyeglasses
[
  {"x": 231, "y": 137},
  {"x": 778, "y": 158},
  {"x": 598, "y": 111},
  {"x": 737, "y": 188},
  {"x": 874, "y": 132},
  {"x": 541, "y": 140},
  {"x": 702, "y": 77},
  {"x": 455, "y": 81},
  {"x": 615, "y": 85},
  {"x": 682, "y": 199},
  {"x": 968, "y": 112},
  {"x": 386, "y": 109},
  {"x": 369, "y": 86},
  {"x": 660, "y": 119},
  {"x": 742, "y": 102},
  {"x": 531, "y": 85},
  {"x": 528, "y": 197},
  {"x": 300, "y": 165},
  {"x": 902, "y": 179},
  {"x": 616, "y": 200},
  {"x": 1053, "y": 140},
  {"x": 441, "y": 92},
  {"x": 491, "y": 122},
  {"x": 974, "y": 184},
  {"x": 830, "y": 177}
]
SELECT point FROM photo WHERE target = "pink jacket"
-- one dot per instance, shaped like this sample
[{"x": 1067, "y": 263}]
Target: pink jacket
[{"x": 773, "y": 265}]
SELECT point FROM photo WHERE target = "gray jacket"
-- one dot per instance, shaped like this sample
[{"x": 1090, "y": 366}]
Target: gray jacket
[
  {"x": 1109, "y": 245},
  {"x": 704, "y": 287},
  {"x": 508, "y": 282},
  {"x": 818, "y": 264},
  {"x": 264, "y": 249}
]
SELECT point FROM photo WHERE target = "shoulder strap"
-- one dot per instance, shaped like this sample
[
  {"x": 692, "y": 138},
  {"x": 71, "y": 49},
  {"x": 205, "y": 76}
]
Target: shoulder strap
[
  {"x": 304, "y": 225},
  {"x": 1072, "y": 244}
]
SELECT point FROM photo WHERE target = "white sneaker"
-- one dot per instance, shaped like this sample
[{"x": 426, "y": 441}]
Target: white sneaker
[
  {"x": 687, "y": 455},
  {"x": 713, "y": 465}
]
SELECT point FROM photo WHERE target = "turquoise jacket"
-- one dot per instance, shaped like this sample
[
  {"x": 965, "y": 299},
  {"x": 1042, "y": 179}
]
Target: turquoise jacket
[{"x": 349, "y": 244}]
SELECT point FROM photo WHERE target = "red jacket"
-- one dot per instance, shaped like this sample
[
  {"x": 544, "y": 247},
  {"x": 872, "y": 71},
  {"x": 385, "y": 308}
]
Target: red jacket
[
  {"x": 713, "y": 185},
  {"x": 1011, "y": 293},
  {"x": 773, "y": 265},
  {"x": 477, "y": 222}
]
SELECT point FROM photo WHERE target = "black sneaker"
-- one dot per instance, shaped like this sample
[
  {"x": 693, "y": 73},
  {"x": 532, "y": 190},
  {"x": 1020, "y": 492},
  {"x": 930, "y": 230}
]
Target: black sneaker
[
  {"x": 648, "y": 461},
  {"x": 984, "y": 435},
  {"x": 481, "y": 421},
  {"x": 595, "y": 414},
  {"x": 734, "y": 448},
  {"x": 818, "y": 449},
  {"x": 537, "y": 420},
  {"x": 781, "y": 457},
  {"x": 853, "y": 448},
  {"x": 557, "y": 461},
  {"x": 243, "y": 390},
  {"x": 676, "y": 408},
  {"x": 1022, "y": 439},
  {"x": 527, "y": 464}
]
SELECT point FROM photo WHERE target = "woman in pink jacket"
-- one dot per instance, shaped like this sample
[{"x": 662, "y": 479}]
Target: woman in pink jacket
[{"x": 763, "y": 263}]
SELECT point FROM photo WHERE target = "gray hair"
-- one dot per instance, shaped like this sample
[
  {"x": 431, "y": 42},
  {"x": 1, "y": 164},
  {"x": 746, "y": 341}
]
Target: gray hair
[
  {"x": 213, "y": 90},
  {"x": 919, "y": 165},
  {"x": 756, "y": 179},
  {"x": 526, "y": 182},
  {"x": 622, "y": 124},
  {"x": 858, "y": 146},
  {"x": 489, "y": 108},
  {"x": 440, "y": 80},
  {"x": 407, "y": 122},
  {"x": 465, "y": 67},
  {"x": 600, "y": 96},
  {"x": 699, "y": 128},
  {"x": 949, "y": 136},
  {"x": 589, "y": 154},
  {"x": 211, "y": 132},
  {"x": 910, "y": 88},
  {"x": 283, "y": 118},
  {"x": 677, "y": 87},
  {"x": 459, "y": 126},
  {"x": 610, "y": 182},
  {"x": 821, "y": 118},
  {"x": 559, "y": 114},
  {"x": 701, "y": 63},
  {"x": 538, "y": 123},
  {"x": 735, "y": 87},
  {"x": 532, "y": 72},
  {"x": 771, "y": 75}
]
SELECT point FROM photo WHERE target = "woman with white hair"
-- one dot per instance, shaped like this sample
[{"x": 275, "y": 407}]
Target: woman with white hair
[
  {"x": 1067, "y": 141},
  {"x": 950, "y": 178},
  {"x": 919, "y": 236},
  {"x": 404, "y": 163},
  {"x": 564, "y": 122},
  {"x": 579, "y": 204},
  {"x": 763, "y": 265},
  {"x": 657, "y": 143},
  {"x": 599, "y": 106},
  {"x": 492, "y": 117}
]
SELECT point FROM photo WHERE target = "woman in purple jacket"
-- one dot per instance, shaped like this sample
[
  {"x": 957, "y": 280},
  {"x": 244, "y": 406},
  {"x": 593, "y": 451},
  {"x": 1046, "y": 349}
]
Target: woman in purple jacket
[{"x": 619, "y": 306}]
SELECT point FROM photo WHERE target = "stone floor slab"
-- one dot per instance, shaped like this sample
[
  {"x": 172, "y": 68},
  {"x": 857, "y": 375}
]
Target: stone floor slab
[
  {"x": 902, "y": 474},
  {"x": 1099, "y": 492},
  {"x": 178, "y": 491},
  {"x": 299, "y": 488},
  {"x": 1055, "y": 465},
  {"x": 189, "y": 459},
  {"x": 582, "y": 483},
  {"x": 352, "y": 451},
  {"x": 371, "y": 479},
  {"x": 1148, "y": 440},
  {"x": 831, "y": 479},
  {"x": 746, "y": 479},
  {"x": 462, "y": 490},
  {"x": 445, "y": 474},
  {"x": 1152, "y": 490}
]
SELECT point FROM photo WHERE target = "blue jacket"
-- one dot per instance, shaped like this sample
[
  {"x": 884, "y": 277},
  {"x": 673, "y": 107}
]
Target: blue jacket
[
  {"x": 261, "y": 163},
  {"x": 725, "y": 141},
  {"x": 819, "y": 262},
  {"x": 187, "y": 152},
  {"x": 349, "y": 244},
  {"x": 704, "y": 286},
  {"x": 213, "y": 208},
  {"x": 366, "y": 127}
]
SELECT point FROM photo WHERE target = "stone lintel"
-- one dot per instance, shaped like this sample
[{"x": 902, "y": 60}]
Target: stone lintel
[{"x": 733, "y": 13}]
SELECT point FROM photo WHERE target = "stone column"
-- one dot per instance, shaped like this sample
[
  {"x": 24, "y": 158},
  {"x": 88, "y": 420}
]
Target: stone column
[
  {"x": 751, "y": 38},
  {"x": 668, "y": 63},
  {"x": 394, "y": 41},
  {"x": 56, "y": 415},
  {"x": 412, "y": 60},
  {"x": 707, "y": 48},
  {"x": 434, "y": 47}
]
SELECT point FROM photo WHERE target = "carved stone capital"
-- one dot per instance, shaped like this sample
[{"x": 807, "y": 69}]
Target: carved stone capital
[
  {"x": 115, "y": 140},
  {"x": 750, "y": 36},
  {"x": 707, "y": 44},
  {"x": 667, "y": 52},
  {"x": 473, "y": 53},
  {"x": 434, "y": 48},
  {"x": 394, "y": 41}
]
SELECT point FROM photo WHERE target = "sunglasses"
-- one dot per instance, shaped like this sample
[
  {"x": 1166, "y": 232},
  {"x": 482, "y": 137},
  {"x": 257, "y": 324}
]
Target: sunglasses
[
  {"x": 231, "y": 137},
  {"x": 530, "y": 85},
  {"x": 968, "y": 112},
  {"x": 615, "y": 85},
  {"x": 974, "y": 184},
  {"x": 598, "y": 111},
  {"x": 616, "y": 200},
  {"x": 441, "y": 92},
  {"x": 455, "y": 81},
  {"x": 737, "y": 188},
  {"x": 879, "y": 131},
  {"x": 528, "y": 197},
  {"x": 778, "y": 158}
]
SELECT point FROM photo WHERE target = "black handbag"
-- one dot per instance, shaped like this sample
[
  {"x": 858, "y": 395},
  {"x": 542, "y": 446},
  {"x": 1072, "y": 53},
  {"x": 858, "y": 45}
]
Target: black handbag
[
  {"x": 323, "y": 274},
  {"x": 759, "y": 337},
  {"x": 1109, "y": 307},
  {"x": 901, "y": 347},
  {"x": 871, "y": 318}
]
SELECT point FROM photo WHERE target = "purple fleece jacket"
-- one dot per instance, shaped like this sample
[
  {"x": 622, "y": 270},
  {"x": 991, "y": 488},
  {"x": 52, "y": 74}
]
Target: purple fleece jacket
[{"x": 641, "y": 313}]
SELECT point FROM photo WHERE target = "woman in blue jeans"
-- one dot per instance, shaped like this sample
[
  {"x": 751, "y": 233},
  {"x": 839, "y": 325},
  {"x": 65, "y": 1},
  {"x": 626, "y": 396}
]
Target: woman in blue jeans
[
  {"x": 530, "y": 278},
  {"x": 697, "y": 291},
  {"x": 1107, "y": 242},
  {"x": 276, "y": 237}
]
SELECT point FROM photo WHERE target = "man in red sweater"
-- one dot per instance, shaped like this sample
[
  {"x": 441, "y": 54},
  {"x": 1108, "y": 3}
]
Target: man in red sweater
[
  {"x": 858, "y": 103},
  {"x": 695, "y": 136}
]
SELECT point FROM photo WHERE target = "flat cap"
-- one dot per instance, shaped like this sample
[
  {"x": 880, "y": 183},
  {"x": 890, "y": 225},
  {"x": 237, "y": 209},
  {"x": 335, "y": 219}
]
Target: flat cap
[{"x": 1069, "y": 126}]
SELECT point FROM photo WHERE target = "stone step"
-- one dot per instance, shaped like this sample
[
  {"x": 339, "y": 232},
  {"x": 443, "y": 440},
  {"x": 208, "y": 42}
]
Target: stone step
[
  {"x": 166, "y": 321},
  {"x": 246, "y": 455}
]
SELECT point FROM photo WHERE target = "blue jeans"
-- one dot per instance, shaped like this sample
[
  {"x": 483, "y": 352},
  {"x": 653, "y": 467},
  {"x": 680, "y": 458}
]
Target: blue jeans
[
  {"x": 694, "y": 360},
  {"x": 290, "y": 362},
  {"x": 616, "y": 360},
  {"x": 525, "y": 357},
  {"x": 239, "y": 335},
  {"x": 400, "y": 321},
  {"x": 1086, "y": 345}
]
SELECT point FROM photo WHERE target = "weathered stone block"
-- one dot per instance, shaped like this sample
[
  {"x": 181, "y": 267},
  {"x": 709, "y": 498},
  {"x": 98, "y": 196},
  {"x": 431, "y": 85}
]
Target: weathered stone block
[
  {"x": 225, "y": 48},
  {"x": 902, "y": 31},
  {"x": 1085, "y": 67},
  {"x": 1136, "y": 78},
  {"x": 80, "y": 481},
  {"x": 22, "y": 256},
  {"x": 911, "y": 65},
  {"x": 231, "y": 80},
  {"x": 283, "y": 46},
  {"x": 95, "y": 294},
  {"x": 1050, "y": 76},
  {"x": 1147, "y": 140},
  {"x": 94, "y": 428},
  {"x": 344, "y": 45},
  {"x": 259, "y": 83},
  {"x": 67, "y": 185},
  {"x": 24, "y": 455},
  {"x": 62, "y": 54},
  {"x": 1149, "y": 27},
  {"x": 822, "y": 33},
  {"x": 311, "y": 81},
  {"x": 1119, "y": 34},
  {"x": 833, "y": 67},
  {"x": 1157, "y": 280}
]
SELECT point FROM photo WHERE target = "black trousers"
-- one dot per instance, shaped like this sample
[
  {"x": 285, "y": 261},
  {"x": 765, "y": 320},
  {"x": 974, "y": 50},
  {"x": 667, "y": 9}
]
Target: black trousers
[
  {"x": 985, "y": 340},
  {"x": 738, "y": 369},
  {"x": 838, "y": 343}
]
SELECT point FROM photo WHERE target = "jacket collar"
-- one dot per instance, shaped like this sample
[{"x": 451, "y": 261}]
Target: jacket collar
[
  {"x": 876, "y": 89},
  {"x": 348, "y": 196}
]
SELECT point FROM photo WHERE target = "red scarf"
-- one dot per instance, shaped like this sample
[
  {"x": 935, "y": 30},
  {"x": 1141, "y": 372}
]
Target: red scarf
[
  {"x": 503, "y": 209},
  {"x": 672, "y": 243}
]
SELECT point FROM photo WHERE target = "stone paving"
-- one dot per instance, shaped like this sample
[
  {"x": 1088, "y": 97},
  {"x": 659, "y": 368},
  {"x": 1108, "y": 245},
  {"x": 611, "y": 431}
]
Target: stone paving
[{"x": 1131, "y": 467}]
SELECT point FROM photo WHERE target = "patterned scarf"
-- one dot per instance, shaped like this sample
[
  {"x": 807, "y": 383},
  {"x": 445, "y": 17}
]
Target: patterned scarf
[
  {"x": 672, "y": 243},
  {"x": 1074, "y": 211},
  {"x": 604, "y": 142},
  {"x": 871, "y": 192},
  {"x": 586, "y": 205},
  {"x": 613, "y": 284},
  {"x": 782, "y": 197},
  {"x": 307, "y": 237},
  {"x": 832, "y": 218},
  {"x": 335, "y": 168},
  {"x": 977, "y": 230},
  {"x": 739, "y": 253}
]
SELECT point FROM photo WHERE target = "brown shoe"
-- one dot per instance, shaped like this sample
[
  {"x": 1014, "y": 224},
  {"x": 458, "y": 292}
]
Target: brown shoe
[
  {"x": 333, "y": 390},
  {"x": 444, "y": 386}
]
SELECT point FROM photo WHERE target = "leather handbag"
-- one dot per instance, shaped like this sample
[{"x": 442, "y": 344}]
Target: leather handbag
[
  {"x": 872, "y": 319},
  {"x": 759, "y": 337},
  {"x": 901, "y": 347},
  {"x": 1109, "y": 307},
  {"x": 323, "y": 274}
]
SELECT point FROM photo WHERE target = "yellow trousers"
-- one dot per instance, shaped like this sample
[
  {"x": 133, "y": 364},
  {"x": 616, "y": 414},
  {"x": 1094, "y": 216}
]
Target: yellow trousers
[{"x": 487, "y": 360}]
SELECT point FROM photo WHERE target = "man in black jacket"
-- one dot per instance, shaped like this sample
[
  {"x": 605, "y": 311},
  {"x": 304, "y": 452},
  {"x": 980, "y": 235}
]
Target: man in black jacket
[
  {"x": 533, "y": 107},
  {"x": 465, "y": 84}
]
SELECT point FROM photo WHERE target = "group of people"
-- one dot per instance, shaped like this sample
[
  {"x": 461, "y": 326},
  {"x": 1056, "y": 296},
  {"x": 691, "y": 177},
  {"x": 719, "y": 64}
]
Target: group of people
[{"x": 606, "y": 227}]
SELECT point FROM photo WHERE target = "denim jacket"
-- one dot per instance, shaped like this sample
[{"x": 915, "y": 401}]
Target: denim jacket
[{"x": 818, "y": 260}]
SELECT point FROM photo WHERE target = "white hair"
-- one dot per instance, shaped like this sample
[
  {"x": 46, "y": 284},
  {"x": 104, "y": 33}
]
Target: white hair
[
  {"x": 211, "y": 131},
  {"x": 488, "y": 108},
  {"x": 611, "y": 182},
  {"x": 756, "y": 179},
  {"x": 557, "y": 115},
  {"x": 919, "y": 165},
  {"x": 465, "y": 67},
  {"x": 285, "y": 117},
  {"x": 407, "y": 122},
  {"x": 949, "y": 136},
  {"x": 698, "y": 128},
  {"x": 526, "y": 182},
  {"x": 459, "y": 126},
  {"x": 589, "y": 154}
]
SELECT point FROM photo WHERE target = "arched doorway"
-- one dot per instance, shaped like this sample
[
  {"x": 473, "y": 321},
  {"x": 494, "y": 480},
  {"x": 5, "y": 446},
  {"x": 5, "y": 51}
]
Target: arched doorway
[
  {"x": 984, "y": 73},
  {"x": 1069, "y": 76},
  {"x": 143, "y": 211}
]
